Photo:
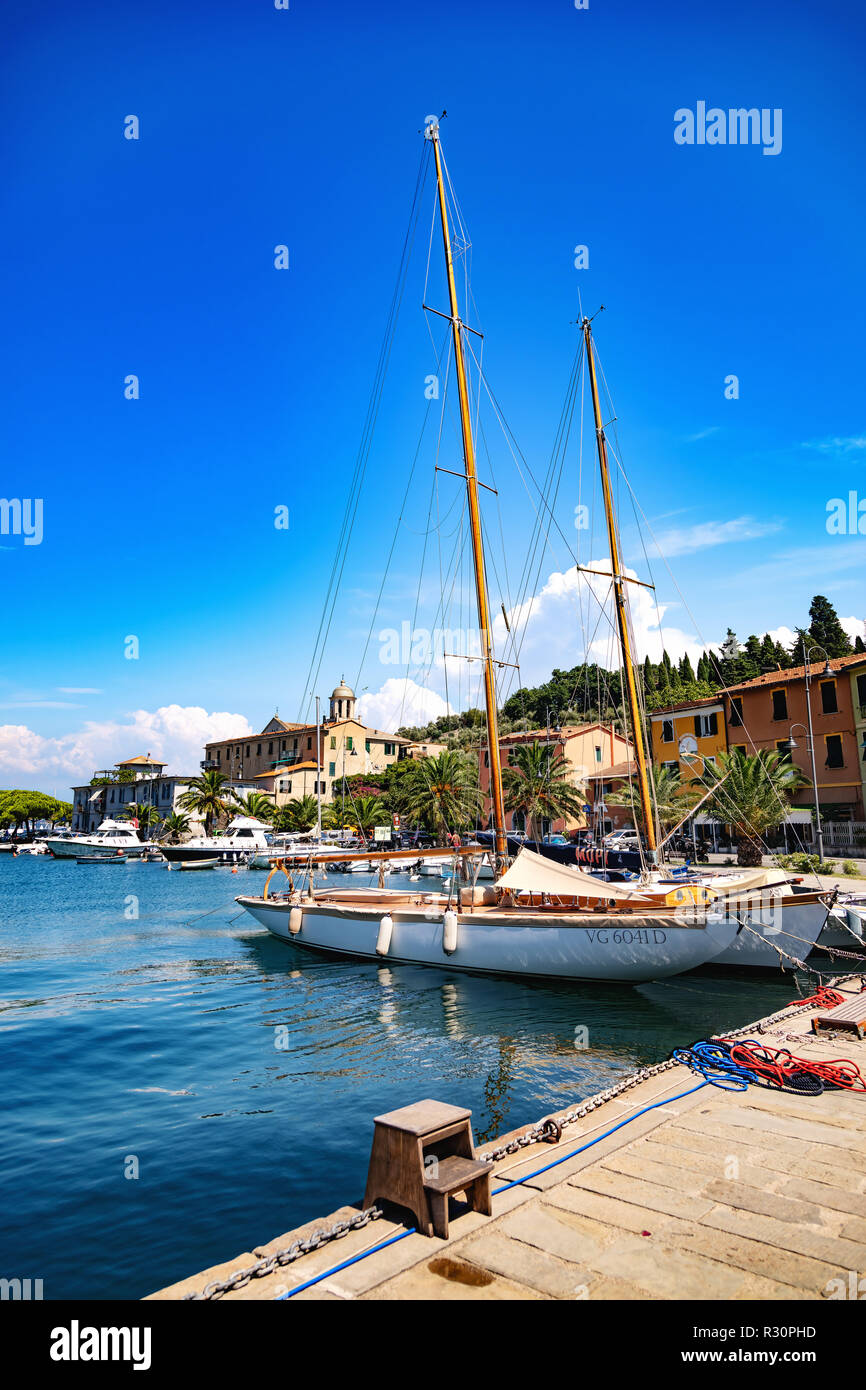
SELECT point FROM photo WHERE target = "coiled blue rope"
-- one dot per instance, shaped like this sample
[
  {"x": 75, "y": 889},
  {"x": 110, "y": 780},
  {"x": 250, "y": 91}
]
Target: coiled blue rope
[{"x": 712, "y": 1061}]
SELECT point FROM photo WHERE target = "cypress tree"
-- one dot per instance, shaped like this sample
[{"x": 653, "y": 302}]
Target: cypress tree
[{"x": 825, "y": 630}]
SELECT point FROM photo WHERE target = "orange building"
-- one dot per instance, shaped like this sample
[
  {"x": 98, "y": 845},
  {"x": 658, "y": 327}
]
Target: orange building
[
  {"x": 591, "y": 751},
  {"x": 766, "y": 712}
]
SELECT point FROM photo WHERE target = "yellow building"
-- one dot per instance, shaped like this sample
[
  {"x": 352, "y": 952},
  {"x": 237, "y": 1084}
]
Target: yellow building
[{"x": 685, "y": 737}]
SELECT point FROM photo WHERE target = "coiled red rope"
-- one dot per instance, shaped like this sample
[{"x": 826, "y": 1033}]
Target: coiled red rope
[
  {"x": 779, "y": 1066},
  {"x": 824, "y": 998}
]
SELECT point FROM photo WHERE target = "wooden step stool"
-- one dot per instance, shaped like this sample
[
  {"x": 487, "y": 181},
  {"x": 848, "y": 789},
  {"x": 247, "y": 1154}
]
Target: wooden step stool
[{"x": 421, "y": 1156}]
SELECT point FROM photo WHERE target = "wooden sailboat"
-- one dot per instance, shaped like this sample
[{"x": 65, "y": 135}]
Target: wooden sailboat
[{"x": 539, "y": 919}]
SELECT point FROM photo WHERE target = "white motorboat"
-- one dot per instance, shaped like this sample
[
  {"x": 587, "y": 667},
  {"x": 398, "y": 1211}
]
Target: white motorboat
[
  {"x": 243, "y": 838},
  {"x": 112, "y": 835}
]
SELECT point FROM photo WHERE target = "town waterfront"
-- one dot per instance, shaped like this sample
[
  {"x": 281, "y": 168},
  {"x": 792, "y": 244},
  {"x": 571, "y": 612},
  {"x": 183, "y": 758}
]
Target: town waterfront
[{"x": 240, "y": 1077}]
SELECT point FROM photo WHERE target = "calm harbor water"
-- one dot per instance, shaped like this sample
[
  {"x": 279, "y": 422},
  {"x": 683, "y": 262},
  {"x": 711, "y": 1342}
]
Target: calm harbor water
[{"x": 242, "y": 1075}]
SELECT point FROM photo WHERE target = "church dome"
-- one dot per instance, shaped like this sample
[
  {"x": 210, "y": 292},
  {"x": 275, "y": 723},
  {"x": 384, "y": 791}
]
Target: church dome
[{"x": 343, "y": 691}]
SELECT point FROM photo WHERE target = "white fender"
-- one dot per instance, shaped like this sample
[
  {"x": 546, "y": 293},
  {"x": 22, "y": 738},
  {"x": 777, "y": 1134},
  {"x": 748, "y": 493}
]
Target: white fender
[
  {"x": 296, "y": 917},
  {"x": 449, "y": 932},
  {"x": 383, "y": 940}
]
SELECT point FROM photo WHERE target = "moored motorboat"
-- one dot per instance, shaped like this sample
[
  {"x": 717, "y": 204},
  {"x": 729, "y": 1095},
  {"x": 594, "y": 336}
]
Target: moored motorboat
[
  {"x": 197, "y": 864},
  {"x": 243, "y": 838},
  {"x": 111, "y": 835}
]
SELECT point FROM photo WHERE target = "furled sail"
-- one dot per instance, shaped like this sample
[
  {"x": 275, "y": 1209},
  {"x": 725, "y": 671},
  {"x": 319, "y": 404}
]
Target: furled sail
[{"x": 532, "y": 873}]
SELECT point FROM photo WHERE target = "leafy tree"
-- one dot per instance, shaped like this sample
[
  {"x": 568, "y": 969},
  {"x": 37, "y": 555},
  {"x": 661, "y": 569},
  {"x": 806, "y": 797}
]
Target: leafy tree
[
  {"x": 685, "y": 669},
  {"x": 538, "y": 784},
  {"x": 859, "y": 644},
  {"x": 754, "y": 797}
]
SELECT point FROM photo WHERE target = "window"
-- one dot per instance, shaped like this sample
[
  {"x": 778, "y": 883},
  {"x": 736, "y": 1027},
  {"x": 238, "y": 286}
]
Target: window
[
  {"x": 487, "y": 759},
  {"x": 781, "y": 747},
  {"x": 861, "y": 695},
  {"x": 219, "y": 755},
  {"x": 247, "y": 754},
  {"x": 349, "y": 743},
  {"x": 863, "y": 749},
  {"x": 309, "y": 743},
  {"x": 598, "y": 752},
  {"x": 282, "y": 745},
  {"x": 736, "y": 712},
  {"x": 367, "y": 746},
  {"x": 271, "y": 746},
  {"x": 829, "y": 703},
  {"x": 333, "y": 741},
  {"x": 709, "y": 760},
  {"x": 780, "y": 704},
  {"x": 389, "y": 747},
  {"x": 834, "y": 751},
  {"x": 258, "y": 750},
  {"x": 287, "y": 786},
  {"x": 667, "y": 731},
  {"x": 332, "y": 769},
  {"x": 706, "y": 725},
  {"x": 672, "y": 766}
]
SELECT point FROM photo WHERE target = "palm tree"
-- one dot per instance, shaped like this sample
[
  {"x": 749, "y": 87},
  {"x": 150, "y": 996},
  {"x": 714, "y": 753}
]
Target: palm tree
[
  {"x": 207, "y": 797},
  {"x": 673, "y": 798},
  {"x": 537, "y": 783},
  {"x": 257, "y": 805},
  {"x": 335, "y": 816},
  {"x": 365, "y": 812},
  {"x": 299, "y": 814},
  {"x": 445, "y": 795},
  {"x": 146, "y": 815},
  {"x": 174, "y": 826},
  {"x": 754, "y": 798}
]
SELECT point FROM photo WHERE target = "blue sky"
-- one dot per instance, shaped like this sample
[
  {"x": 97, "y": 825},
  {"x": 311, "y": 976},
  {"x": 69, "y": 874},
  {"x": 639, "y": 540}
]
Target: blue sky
[{"x": 260, "y": 127}]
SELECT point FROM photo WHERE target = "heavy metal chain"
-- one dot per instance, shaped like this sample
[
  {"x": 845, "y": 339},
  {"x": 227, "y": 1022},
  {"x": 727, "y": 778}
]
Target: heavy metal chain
[
  {"x": 549, "y": 1130},
  {"x": 286, "y": 1256}
]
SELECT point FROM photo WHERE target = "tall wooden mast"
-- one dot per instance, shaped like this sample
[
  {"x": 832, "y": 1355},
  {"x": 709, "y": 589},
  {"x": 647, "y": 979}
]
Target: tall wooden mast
[
  {"x": 496, "y": 796},
  {"x": 621, "y": 603}
]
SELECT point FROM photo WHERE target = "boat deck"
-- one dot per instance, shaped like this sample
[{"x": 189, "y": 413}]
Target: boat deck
[{"x": 715, "y": 1195}]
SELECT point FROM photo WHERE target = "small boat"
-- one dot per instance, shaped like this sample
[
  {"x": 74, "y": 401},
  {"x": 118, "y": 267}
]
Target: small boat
[
  {"x": 198, "y": 863},
  {"x": 101, "y": 859},
  {"x": 243, "y": 838},
  {"x": 111, "y": 835}
]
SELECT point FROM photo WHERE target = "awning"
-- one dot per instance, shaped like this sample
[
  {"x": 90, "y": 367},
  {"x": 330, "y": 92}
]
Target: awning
[
  {"x": 532, "y": 873},
  {"x": 97, "y": 794}
]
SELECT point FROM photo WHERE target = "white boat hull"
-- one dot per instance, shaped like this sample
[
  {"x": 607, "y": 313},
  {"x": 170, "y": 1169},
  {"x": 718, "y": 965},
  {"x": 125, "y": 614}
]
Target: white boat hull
[
  {"x": 794, "y": 930},
  {"x": 72, "y": 849},
  {"x": 626, "y": 949}
]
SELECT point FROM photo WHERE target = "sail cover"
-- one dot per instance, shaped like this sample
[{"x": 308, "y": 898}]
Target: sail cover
[{"x": 532, "y": 873}]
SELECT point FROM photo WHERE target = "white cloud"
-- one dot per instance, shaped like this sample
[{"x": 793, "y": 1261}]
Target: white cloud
[
  {"x": 849, "y": 444},
  {"x": 549, "y": 629},
  {"x": 855, "y": 627},
  {"x": 400, "y": 702},
  {"x": 686, "y": 540},
  {"x": 176, "y": 734},
  {"x": 79, "y": 690}
]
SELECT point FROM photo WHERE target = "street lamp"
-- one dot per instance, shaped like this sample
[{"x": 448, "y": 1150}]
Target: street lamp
[
  {"x": 789, "y": 747},
  {"x": 828, "y": 671}
]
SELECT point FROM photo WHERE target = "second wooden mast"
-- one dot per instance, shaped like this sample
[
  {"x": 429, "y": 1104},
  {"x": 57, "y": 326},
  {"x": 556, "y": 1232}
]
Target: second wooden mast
[
  {"x": 620, "y": 603},
  {"x": 496, "y": 796}
]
